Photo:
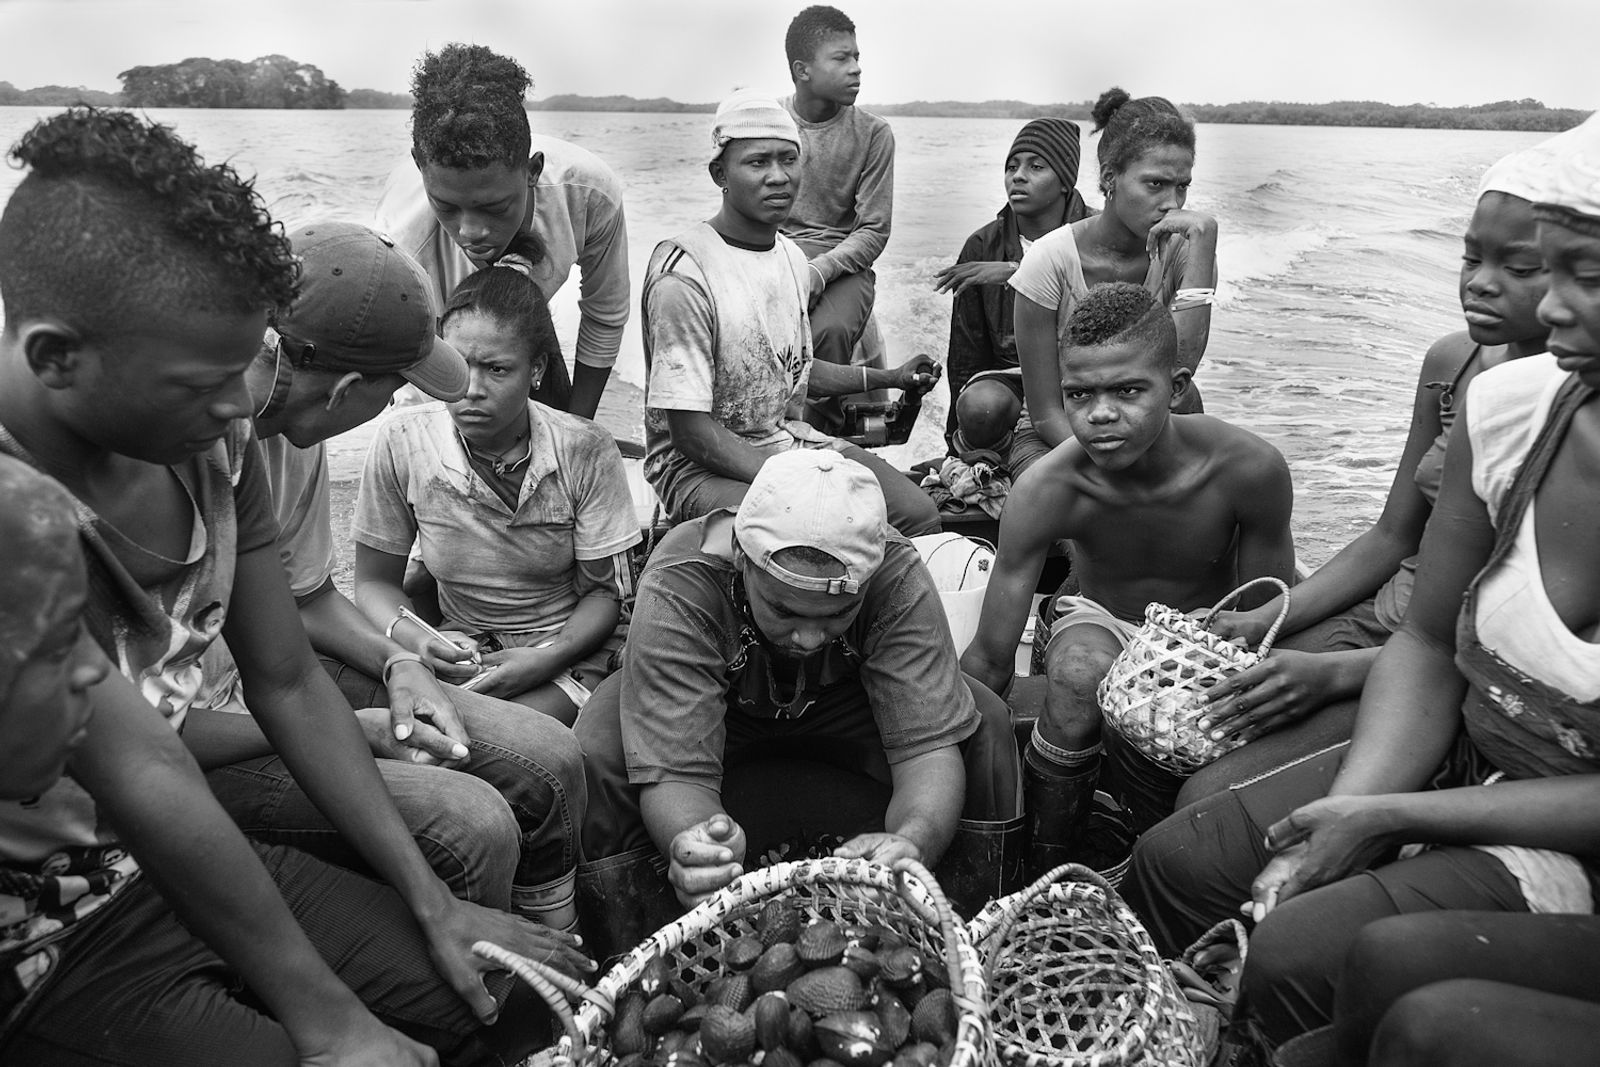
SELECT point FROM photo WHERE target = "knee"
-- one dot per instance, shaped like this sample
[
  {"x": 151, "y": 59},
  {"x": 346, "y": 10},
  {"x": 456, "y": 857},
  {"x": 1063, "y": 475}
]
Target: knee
[
  {"x": 986, "y": 411},
  {"x": 911, "y": 511},
  {"x": 1074, "y": 670},
  {"x": 473, "y": 830},
  {"x": 1425, "y": 1023},
  {"x": 1291, "y": 958}
]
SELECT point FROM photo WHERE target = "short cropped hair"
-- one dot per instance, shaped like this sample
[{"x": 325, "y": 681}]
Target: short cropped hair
[
  {"x": 810, "y": 28},
  {"x": 468, "y": 109},
  {"x": 1119, "y": 313},
  {"x": 1130, "y": 127},
  {"x": 119, "y": 219},
  {"x": 512, "y": 299}
]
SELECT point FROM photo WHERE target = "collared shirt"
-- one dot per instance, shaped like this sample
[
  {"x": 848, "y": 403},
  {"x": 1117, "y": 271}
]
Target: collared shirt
[
  {"x": 694, "y": 658},
  {"x": 578, "y": 218},
  {"x": 499, "y": 569}
]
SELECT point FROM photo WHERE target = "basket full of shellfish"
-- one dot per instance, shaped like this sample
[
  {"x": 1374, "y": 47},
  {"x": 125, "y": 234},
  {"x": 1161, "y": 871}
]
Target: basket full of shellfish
[{"x": 832, "y": 959}]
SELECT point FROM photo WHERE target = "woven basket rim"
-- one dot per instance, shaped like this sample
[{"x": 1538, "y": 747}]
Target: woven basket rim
[{"x": 740, "y": 898}]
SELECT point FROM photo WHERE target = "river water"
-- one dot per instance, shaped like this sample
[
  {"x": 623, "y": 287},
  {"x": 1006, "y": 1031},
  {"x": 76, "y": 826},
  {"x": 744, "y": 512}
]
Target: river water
[{"x": 1337, "y": 257}]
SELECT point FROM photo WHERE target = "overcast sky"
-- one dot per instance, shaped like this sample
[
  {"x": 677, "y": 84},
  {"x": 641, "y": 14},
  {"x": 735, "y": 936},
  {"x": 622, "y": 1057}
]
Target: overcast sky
[{"x": 1200, "y": 51}]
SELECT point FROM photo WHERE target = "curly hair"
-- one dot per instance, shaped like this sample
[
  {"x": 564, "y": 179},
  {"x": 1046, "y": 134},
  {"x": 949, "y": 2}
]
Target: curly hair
[
  {"x": 1120, "y": 313},
  {"x": 469, "y": 111},
  {"x": 1129, "y": 127},
  {"x": 513, "y": 300},
  {"x": 119, "y": 217},
  {"x": 810, "y": 28}
]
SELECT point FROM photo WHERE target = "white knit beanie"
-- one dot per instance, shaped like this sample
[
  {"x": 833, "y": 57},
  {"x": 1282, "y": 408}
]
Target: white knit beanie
[{"x": 751, "y": 114}]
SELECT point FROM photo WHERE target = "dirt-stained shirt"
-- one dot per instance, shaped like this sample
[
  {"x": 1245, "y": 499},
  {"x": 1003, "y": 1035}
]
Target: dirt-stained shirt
[{"x": 500, "y": 569}]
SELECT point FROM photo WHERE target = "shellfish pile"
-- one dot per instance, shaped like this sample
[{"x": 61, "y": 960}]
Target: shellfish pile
[{"x": 818, "y": 994}]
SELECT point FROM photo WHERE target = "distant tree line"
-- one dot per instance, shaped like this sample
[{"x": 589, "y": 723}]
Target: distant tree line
[
  {"x": 1501, "y": 115},
  {"x": 54, "y": 96},
  {"x": 573, "y": 102},
  {"x": 268, "y": 82}
]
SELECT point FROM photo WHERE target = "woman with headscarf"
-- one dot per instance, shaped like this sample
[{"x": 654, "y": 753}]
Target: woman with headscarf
[
  {"x": 1340, "y": 616},
  {"x": 1478, "y": 735}
]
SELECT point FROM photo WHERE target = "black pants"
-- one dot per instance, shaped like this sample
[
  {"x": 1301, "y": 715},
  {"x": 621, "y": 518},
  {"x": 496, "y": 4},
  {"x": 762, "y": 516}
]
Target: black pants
[
  {"x": 1195, "y": 869},
  {"x": 1510, "y": 988}
]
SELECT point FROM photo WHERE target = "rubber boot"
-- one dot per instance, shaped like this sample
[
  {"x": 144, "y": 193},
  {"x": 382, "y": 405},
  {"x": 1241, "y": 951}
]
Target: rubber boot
[
  {"x": 1057, "y": 806},
  {"x": 983, "y": 862},
  {"x": 622, "y": 900},
  {"x": 553, "y": 904}
]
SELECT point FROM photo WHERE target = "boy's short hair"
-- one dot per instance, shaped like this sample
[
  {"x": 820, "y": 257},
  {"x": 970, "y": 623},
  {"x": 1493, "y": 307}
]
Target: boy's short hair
[
  {"x": 1120, "y": 313},
  {"x": 468, "y": 111},
  {"x": 810, "y": 28},
  {"x": 119, "y": 220}
]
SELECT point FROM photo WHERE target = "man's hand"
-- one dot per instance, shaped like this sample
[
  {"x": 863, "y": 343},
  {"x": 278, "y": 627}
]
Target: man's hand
[
  {"x": 1315, "y": 845},
  {"x": 918, "y": 374},
  {"x": 814, "y": 297},
  {"x": 423, "y": 743},
  {"x": 959, "y": 277},
  {"x": 452, "y": 934},
  {"x": 364, "y": 1042},
  {"x": 705, "y": 857},
  {"x": 1281, "y": 689},
  {"x": 882, "y": 848},
  {"x": 415, "y": 695},
  {"x": 517, "y": 670}
]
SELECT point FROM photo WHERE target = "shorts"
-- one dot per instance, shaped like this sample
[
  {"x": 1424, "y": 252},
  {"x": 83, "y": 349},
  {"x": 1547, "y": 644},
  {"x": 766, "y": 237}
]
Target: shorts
[{"x": 1081, "y": 611}]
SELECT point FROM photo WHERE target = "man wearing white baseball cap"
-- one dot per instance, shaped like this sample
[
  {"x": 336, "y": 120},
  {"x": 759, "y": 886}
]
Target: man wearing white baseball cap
[
  {"x": 361, "y": 326},
  {"x": 803, "y": 626},
  {"x": 728, "y": 341}
]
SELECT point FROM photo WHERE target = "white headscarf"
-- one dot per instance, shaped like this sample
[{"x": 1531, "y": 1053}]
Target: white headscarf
[{"x": 750, "y": 114}]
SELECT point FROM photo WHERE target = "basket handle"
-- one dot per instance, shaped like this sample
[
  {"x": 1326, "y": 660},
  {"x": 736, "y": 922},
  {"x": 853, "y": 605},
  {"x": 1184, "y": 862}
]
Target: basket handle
[
  {"x": 944, "y": 915},
  {"x": 1272, "y": 631},
  {"x": 553, "y": 988},
  {"x": 1019, "y": 901}
]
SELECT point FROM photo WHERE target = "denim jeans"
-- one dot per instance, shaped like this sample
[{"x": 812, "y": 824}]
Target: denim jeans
[
  {"x": 511, "y": 816},
  {"x": 134, "y": 986}
]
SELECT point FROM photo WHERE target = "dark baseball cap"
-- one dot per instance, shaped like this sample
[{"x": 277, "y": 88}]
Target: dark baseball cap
[{"x": 363, "y": 306}]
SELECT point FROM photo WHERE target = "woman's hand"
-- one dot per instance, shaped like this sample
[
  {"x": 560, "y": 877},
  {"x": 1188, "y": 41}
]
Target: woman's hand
[
  {"x": 959, "y": 277},
  {"x": 452, "y": 933},
  {"x": 451, "y": 659},
  {"x": 1317, "y": 844},
  {"x": 514, "y": 671},
  {"x": 1250, "y": 626},
  {"x": 1281, "y": 689},
  {"x": 1180, "y": 225}
]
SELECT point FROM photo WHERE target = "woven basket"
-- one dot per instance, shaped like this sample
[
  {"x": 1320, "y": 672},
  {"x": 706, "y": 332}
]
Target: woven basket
[
  {"x": 1075, "y": 981},
  {"x": 906, "y": 899},
  {"x": 1152, "y": 695}
]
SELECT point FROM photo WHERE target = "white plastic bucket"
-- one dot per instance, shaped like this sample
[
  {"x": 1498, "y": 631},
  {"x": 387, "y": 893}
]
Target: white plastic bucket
[{"x": 960, "y": 567}]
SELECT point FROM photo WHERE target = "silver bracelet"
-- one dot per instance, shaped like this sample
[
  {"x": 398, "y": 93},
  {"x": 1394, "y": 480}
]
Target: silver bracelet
[{"x": 398, "y": 658}]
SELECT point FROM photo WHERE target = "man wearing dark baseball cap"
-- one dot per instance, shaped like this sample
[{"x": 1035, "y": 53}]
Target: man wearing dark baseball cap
[
  {"x": 360, "y": 327},
  {"x": 802, "y": 627}
]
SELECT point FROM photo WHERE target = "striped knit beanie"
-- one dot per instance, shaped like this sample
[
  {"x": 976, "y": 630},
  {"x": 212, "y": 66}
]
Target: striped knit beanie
[{"x": 1056, "y": 142}]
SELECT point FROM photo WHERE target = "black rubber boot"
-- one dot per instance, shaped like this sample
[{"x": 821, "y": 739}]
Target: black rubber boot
[
  {"x": 1057, "y": 807},
  {"x": 622, "y": 900},
  {"x": 984, "y": 861}
]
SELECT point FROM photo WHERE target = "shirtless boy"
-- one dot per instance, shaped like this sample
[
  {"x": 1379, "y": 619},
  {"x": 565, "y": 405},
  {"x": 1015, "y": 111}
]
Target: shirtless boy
[{"x": 1158, "y": 509}]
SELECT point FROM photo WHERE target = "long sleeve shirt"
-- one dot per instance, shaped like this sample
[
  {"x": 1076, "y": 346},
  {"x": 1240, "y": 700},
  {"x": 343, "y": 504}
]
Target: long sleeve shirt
[{"x": 842, "y": 214}]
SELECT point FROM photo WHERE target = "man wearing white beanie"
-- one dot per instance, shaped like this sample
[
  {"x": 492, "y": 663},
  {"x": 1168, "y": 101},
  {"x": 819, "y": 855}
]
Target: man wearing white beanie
[{"x": 727, "y": 340}]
